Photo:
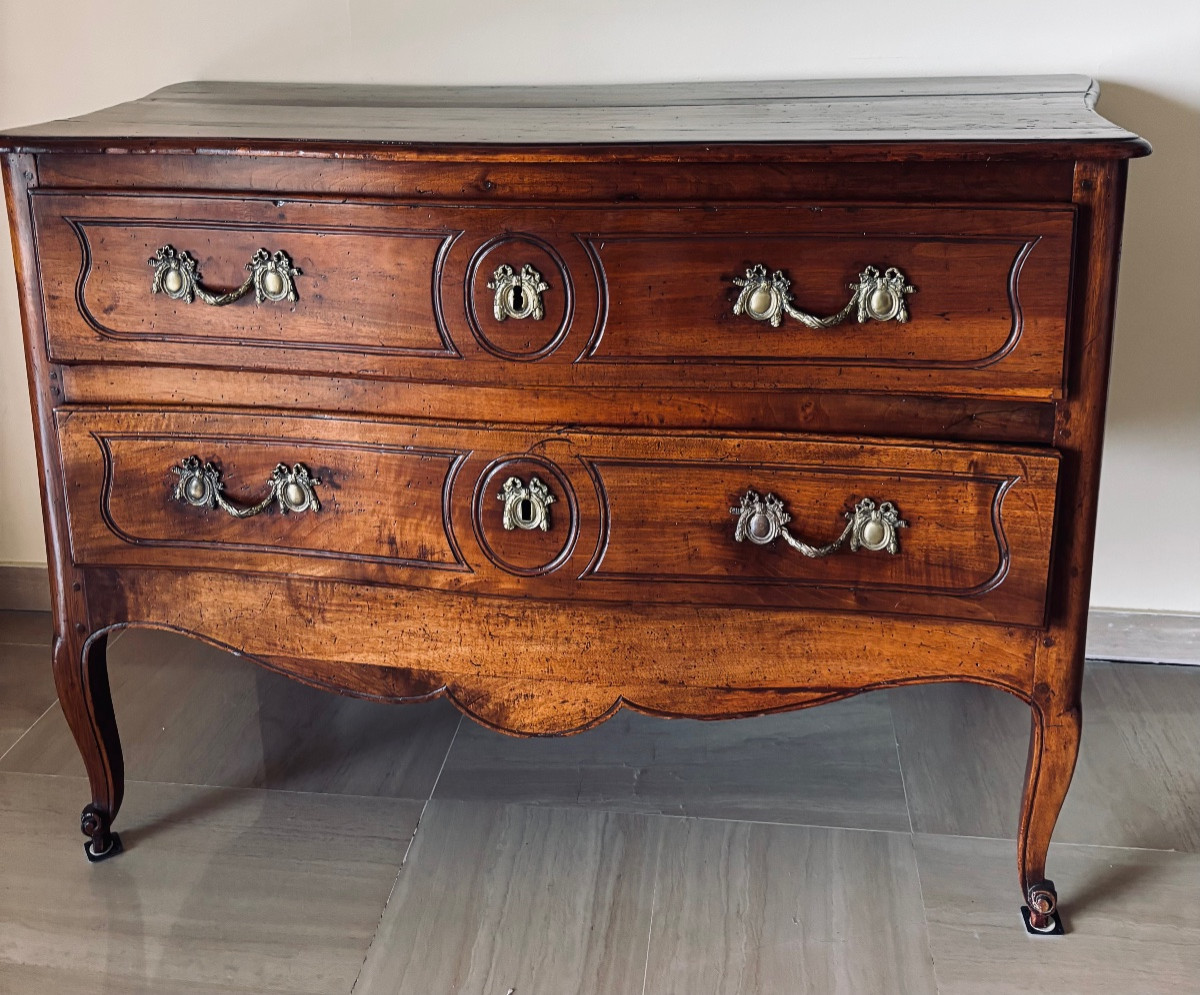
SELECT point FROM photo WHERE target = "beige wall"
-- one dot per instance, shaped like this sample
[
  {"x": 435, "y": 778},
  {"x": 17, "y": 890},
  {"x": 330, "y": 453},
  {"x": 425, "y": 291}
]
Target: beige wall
[{"x": 65, "y": 58}]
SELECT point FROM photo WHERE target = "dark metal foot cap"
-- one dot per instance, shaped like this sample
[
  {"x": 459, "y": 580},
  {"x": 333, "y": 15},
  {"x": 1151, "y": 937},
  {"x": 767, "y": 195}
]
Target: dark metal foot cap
[
  {"x": 1054, "y": 929},
  {"x": 114, "y": 847}
]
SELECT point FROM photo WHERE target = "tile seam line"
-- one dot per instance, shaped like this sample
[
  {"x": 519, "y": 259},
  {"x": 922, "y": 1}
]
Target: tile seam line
[
  {"x": 566, "y": 806},
  {"x": 653, "y": 908},
  {"x": 912, "y": 845},
  {"x": 28, "y": 730},
  {"x": 648, "y": 815},
  {"x": 47, "y": 644},
  {"x": 933, "y": 964},
  {"x": 1080, "y": 846},
  {"x": 240, "y": 788},
  {"x": 404, "y": 859}
]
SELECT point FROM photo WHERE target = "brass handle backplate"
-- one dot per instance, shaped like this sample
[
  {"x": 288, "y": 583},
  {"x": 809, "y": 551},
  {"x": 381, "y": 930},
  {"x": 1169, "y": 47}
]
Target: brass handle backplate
[
  {"x": 176, "y": 274},
  {"x": 880, "y": 297},
  {"x": 201, "y": 486},
  {"x": 526, "y": 506},
  {"x": 518, "y": 295},
  {"x": 762, "y": 520}
]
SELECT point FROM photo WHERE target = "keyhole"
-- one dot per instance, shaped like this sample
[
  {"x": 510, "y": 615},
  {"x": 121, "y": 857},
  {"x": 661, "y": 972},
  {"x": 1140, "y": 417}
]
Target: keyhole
[
  {"x": 526, "y": 510},
  {"x": 518, "y": 299}
]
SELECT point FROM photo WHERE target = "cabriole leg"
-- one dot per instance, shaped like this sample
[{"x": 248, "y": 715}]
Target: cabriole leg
[
  {"x": 81, "y": 677},
  {"x": 1053, "y": 748}
]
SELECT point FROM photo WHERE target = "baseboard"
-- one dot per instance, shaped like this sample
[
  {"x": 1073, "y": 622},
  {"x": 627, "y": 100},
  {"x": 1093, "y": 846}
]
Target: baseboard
[
  {"x": 24, "y": 587},
  {"x": 1138, "y": 636},
  {"x": 1143, "y": 637}
]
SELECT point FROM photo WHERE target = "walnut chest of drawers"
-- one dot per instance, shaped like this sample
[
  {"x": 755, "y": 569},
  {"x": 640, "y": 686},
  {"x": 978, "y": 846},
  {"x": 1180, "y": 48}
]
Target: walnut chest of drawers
[{"x": 704, "y": 400}]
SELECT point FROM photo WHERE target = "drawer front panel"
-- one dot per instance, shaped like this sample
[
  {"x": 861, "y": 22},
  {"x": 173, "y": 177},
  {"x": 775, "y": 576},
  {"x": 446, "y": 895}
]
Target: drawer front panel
[
  {"x": 360, "y": 289},
  {"x": 568, "y": 296},
  {"x": 589, "y": 516},
  {"x": 957, "y": 551},
  {"x": 376, "y": 503},
  {"x": 972, "y": 305}
]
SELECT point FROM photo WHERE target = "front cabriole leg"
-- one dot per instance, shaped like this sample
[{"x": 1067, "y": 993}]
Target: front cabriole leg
[
  {"x": 1053, "y": 748},
  {"x": 80, "y": 665},
  {"x": 81, "y": 677}
]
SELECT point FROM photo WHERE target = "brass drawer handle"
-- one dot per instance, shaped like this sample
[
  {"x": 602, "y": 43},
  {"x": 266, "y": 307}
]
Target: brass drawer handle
[
  {"x": 882, "y": 298},
  {"x": 201, "y": 486},
  {"x": 526, "y": 506},
  {"x": 762, "y": 520},
  {"x": 518, "y": 295},
  {"x": 272, "y": 276}
]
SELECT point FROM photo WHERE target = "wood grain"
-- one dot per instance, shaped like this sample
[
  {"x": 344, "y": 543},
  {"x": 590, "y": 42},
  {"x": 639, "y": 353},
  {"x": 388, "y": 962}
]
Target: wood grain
[
  {"x": 1079, "y": 435},
  {"x": 979, "y": 418},
  {"x": 1030, "y": 109},
  {"x": 359, "y": 289},
  {"x": 381, "y": 293},
  {"x": 644, "y": 402},
  {"x": 637, "y": 517},
  {"x": 556, "y": 667},
  {"x": 642, "y": 175}
]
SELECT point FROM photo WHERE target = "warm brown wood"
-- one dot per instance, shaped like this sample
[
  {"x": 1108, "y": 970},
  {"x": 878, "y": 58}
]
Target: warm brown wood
[
  {"x": 81, "y": 680},
  {"x": 558, "y": 667},
  {"x": 961, "y": 419},
  {"x": 636, "y": 517},
  {"x": 492, "y": 176},
  {"x": 646, "y": 406},
  {"x": 1079, "y": 434},
  {"x": 78, "y": 651},
  {"x": 364, "y": 283},
  {"x": 381, "y": 292}
]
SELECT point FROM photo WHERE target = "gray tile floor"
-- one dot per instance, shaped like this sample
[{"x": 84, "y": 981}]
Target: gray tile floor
[{"x": 281, "y": 839}]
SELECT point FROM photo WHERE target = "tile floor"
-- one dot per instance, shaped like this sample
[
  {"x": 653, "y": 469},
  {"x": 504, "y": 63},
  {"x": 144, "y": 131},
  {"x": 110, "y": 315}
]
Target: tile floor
[{"x": 281, "y": 839}]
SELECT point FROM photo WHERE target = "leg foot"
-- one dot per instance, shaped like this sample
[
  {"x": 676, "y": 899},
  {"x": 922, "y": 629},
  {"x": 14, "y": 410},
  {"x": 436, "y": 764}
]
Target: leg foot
[
  {"x": 81, "y": 677},
  {"x": 1053, "y": 748},
  {"x": 102, "y": 841},
  {"x": 1041, "y": 914}
]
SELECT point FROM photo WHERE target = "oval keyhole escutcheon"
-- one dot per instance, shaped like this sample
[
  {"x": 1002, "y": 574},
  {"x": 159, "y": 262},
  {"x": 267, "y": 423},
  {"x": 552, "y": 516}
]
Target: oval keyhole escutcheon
[
  {"x": 520, "y": 297},
  {"x": 518, "y": 294},
  {"x": 526, "y": 504},
  {"x": 525, "y": 514}
]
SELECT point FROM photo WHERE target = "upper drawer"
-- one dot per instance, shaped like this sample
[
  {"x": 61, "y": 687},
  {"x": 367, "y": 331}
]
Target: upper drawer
[{"x": 752, "y": 298}]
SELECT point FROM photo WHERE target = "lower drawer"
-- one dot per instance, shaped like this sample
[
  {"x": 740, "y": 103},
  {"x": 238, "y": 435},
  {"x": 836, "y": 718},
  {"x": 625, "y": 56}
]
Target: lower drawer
[{"x": 919, "y": 528}]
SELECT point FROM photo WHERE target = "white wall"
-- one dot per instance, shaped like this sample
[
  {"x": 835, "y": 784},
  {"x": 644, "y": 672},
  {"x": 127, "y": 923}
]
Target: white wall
[{"x": 1147, "y": 55}]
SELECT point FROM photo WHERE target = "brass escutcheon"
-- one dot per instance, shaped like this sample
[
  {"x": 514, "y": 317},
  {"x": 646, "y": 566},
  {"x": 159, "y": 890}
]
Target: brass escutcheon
[{"x": 526, "y": 506}]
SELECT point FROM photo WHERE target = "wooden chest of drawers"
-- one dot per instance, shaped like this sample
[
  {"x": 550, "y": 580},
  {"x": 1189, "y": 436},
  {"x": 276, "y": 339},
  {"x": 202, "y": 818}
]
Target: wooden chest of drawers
[{"x": 707, "y": 401}]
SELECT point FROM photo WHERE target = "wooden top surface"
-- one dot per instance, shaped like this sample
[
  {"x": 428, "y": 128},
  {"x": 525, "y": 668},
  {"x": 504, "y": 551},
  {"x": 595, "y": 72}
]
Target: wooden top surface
[{"x": 961, "y": 110}]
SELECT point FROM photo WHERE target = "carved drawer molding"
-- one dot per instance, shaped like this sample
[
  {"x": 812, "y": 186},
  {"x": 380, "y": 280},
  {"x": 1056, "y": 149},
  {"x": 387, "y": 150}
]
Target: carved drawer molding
[{"x": 708, "y": 400}]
